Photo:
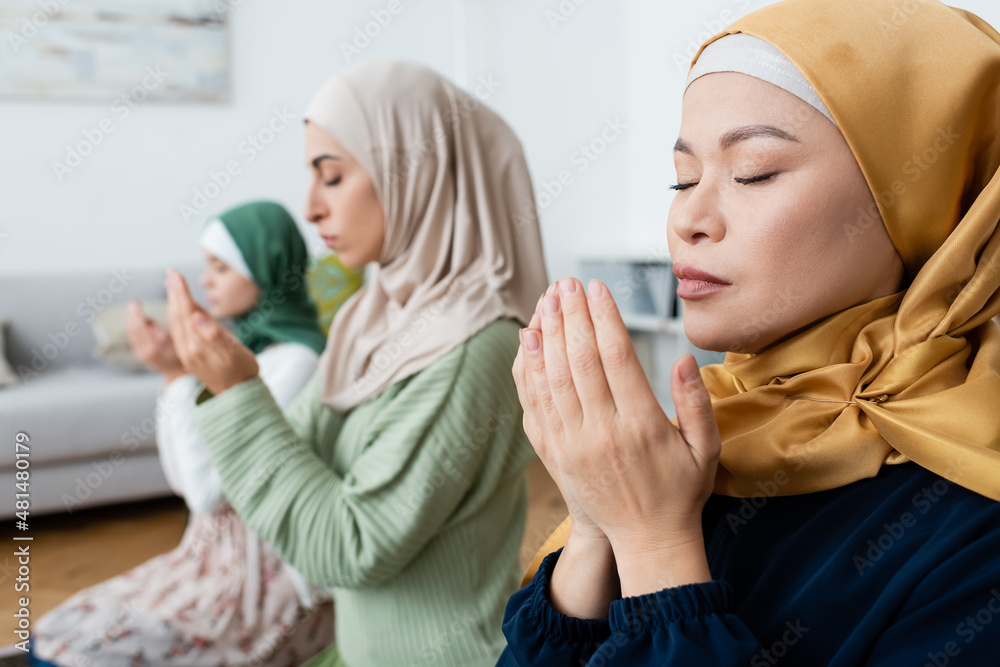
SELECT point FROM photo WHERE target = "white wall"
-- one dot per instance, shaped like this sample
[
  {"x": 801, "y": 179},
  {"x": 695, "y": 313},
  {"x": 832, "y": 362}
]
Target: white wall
[
  {"x": 563, "y": 86},
  {"x": 561, "y": 83}
]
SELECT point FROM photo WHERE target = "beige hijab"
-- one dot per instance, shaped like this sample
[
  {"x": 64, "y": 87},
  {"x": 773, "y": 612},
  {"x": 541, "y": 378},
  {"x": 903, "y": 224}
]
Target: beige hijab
[{"x": 462, "y": 245}]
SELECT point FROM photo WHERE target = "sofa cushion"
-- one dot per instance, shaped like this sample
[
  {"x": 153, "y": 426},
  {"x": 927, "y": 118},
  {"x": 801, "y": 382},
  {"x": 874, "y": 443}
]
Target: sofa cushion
[
  {"x": 110, "y": 331},
  {"x": 81, "y": 413}
]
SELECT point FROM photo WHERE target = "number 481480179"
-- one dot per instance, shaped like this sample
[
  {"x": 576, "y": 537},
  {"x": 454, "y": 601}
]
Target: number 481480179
[{"x": 22, "y": 452}]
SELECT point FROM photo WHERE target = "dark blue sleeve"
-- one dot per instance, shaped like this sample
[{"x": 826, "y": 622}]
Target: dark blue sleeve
[
  {"x": 537, "y": 634},
  {"x": 686, "y": 625}
]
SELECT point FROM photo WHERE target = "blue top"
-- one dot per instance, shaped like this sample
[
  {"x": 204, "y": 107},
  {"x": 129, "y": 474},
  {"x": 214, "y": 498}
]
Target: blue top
[{"x": 899, "y": 569}]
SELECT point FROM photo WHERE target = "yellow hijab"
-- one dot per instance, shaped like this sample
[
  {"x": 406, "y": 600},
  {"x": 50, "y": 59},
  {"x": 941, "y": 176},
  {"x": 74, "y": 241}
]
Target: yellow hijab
[{"x": 915, "y": 376}]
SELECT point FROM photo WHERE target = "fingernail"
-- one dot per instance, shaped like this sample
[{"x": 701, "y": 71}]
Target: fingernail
[
  {"x": 538, "y": 306},
  {"x": 595, "y": 289},
  {"x": 551, "y": 289},
  {"x": 567, "y": 286},
  {"x": 531, "y": 341},
  {"x": 690, "y": 372},
  {"x": 551, "y": 305}
]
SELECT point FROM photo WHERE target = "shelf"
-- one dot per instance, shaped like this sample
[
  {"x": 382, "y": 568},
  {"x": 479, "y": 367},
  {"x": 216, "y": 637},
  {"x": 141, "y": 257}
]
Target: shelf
[
  {"x": 626, "y": 257},
  {"x": 652, "y": 324}
]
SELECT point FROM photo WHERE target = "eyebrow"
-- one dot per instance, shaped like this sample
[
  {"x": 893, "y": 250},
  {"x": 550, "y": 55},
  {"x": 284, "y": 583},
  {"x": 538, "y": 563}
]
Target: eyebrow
[
  {"x": 736, "y": 135},
  {"x": 320, "y": 158}
]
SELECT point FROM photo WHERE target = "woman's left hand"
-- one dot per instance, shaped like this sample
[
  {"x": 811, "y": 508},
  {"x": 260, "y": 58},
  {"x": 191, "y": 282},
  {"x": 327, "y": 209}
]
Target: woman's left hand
[
  {"x": 151, "y": 343},
  {"x": 206, "y": 348},
  {"x": 641, "y": 479}
]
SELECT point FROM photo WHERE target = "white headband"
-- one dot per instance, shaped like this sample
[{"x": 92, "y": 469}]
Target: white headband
[
  {"x": 217, "y": 240},
  {"x": 753, "y": 56}
]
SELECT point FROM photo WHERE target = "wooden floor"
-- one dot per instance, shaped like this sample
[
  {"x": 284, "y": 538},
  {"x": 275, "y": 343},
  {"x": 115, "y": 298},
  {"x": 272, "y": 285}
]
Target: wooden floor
[
  {"x": 73, "y": 551},
  {"x": 70, "y": 552}
]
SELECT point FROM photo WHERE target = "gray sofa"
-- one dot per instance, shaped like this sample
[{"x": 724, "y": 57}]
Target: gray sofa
[{"x": 91, "y": 425}]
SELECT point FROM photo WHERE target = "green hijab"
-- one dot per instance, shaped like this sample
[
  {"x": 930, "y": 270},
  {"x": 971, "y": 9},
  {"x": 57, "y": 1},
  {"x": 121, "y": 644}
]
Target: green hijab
[{"x": 276, "y": 255}]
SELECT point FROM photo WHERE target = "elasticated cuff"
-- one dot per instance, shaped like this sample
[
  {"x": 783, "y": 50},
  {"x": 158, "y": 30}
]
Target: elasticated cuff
[
  {"x": 555, "y": 624},
  {"x": 635, "y": 615}
]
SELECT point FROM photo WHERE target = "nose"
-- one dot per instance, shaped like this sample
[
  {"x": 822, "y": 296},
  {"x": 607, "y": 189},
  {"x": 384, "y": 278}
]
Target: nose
[
  {"x": 696, "y": 217},
  {"x": 204, "y": 279},
  {"x": 316, "y": 209}
]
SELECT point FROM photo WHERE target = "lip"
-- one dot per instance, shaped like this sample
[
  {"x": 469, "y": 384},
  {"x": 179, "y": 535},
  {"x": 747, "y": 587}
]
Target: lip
[
  {"x": 696, "y": 283},
  {"x": 330, "y": 241},
  {"x": 690, "y": 272}
]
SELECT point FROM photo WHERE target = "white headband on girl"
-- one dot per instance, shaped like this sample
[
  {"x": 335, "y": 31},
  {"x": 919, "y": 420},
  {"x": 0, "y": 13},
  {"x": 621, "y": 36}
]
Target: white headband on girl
[{"x": 217, "y": 240}]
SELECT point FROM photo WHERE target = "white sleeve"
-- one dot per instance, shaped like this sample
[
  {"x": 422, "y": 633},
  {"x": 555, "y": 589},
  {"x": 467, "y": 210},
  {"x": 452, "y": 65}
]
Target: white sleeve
[
  {"x": 285, "y": 369},
  {"x": 185, "y": 459},
  {"x": 310, "y": 595}
]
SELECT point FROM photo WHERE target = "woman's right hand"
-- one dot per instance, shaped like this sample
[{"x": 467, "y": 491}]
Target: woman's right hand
[
  {"x": 151, "y": 343},
  {"x": 535, "y": 429},
  {"x": 588, "y": 555}
]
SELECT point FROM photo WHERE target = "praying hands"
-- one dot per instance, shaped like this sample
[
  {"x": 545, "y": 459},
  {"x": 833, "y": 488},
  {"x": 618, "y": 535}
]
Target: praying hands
[
  {"x": 205, "y": 348},
  {"x": 635, "y": 483}
]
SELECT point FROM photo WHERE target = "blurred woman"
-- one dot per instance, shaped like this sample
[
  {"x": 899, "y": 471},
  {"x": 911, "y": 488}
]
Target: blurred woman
[{"x": 397, "y": 477}]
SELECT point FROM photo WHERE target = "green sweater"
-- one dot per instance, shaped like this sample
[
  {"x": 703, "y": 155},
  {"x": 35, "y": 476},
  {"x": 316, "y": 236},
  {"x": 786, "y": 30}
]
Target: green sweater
[{"x": 411, "y": 507}]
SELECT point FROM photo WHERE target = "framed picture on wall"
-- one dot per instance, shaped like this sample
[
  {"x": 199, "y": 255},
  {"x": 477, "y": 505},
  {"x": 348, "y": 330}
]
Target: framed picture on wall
[{"x": 108, "y": 50}]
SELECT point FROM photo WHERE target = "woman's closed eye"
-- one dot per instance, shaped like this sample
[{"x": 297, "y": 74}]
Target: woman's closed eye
[
  {"x": 333, "y": 181},
  {"x": 760, "y": 178},
  {"x": 749, "y": 180}
]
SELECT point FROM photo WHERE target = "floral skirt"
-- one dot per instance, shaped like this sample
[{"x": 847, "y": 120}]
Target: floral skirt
[{"x": 223, "y": 597}]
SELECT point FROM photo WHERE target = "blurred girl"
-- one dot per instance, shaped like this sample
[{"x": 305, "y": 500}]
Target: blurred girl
[{"x": 223, "y": 597}]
